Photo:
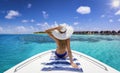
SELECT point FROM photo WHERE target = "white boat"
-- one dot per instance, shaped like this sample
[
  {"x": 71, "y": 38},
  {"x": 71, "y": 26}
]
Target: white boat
[{"x": 46, "y": 62}]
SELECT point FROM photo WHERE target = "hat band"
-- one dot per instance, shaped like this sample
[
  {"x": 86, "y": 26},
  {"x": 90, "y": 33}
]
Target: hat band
[{"x": 63, "y": 31}]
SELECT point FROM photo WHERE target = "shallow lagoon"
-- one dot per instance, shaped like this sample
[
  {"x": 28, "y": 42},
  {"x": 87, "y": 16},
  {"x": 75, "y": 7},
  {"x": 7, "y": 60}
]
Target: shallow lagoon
[{"x": 16, "y": 48}]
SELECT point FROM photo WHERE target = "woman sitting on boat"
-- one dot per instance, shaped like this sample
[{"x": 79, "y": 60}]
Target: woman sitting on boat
[{"x": 61, "y": 35}]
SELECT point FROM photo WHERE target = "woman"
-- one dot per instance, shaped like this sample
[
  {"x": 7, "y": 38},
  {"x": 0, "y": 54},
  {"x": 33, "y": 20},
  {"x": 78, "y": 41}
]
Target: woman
[{"x": 61, "y": 35}]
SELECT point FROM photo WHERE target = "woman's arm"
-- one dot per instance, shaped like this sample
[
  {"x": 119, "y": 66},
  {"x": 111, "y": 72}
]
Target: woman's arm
[
  {"x": 51, "y": 29},
  {"x": 49, "y": 32},
  {"x": 70, "y": 54}
]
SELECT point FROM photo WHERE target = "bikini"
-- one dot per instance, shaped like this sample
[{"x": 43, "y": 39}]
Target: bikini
[{"x": 60, "y": 55}]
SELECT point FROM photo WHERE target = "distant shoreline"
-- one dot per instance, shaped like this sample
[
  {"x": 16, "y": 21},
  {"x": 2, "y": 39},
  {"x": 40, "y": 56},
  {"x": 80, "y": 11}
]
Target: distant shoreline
[
  {"x": 41, "y": 32},
  {"x": 90, "y": 32}
]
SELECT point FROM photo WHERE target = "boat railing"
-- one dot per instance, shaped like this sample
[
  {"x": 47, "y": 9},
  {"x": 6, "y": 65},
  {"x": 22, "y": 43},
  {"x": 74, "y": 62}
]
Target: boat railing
[
  {"x": 94, "y": 62},
  {"x": 26, "y": 63}
]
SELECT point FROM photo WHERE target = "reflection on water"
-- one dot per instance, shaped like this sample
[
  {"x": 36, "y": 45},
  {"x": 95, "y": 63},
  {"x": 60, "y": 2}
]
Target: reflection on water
[
  {"x": 45, "y": 39},
  {"x": 35, "y": 38},
  {"x": 96, "y": 38}
]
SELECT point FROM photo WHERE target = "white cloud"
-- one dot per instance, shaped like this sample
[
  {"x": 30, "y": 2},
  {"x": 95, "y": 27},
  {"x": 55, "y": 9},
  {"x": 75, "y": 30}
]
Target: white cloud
[
  {"x": 117, "y": 13},
  {"x": 75, "y": 23},
  {"x": 102, "y": 16},
  {"x": 1, "y": 29},
  {"x": 110, "y": 20},
  {"x": 45, "y": 15},
  {"x": 18, "y": 30},
  {"x": 84, "y": 10},
  {"x": 38, "y": 24},
  {"x": 24, "y": 21},
  {"x": 11, "y": 14},
  {"x": 24, "y": 30},
  {"x": 32, "y": 20},
  {"x": 30, "y": 29},
  {"x": 55, "y": 24},
  {"x": 29, "y": 5},
  {"x": 45, "y": 25}
]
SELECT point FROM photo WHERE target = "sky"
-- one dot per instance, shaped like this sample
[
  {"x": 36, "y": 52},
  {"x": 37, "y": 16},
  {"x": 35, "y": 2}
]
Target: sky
[{"x": 28, "y": 16}]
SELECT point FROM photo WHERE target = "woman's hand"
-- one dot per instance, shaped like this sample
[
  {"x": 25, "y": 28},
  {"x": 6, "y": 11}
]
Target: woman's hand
[
  {"x": 51, "y": 29},
  {"x": 74, "y": 65},
  {"x": 59, "y": 28}
]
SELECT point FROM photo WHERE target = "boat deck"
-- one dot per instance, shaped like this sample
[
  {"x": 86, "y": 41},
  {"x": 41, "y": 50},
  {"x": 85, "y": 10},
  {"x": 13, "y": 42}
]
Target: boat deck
[{"x": 44, "y": 63}]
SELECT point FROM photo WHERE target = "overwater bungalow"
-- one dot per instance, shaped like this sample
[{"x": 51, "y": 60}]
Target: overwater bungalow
[
  {"x": 106, "y": 32},
  {"x": 114, "y": 32},
  {"x": 118, "y": 32}
]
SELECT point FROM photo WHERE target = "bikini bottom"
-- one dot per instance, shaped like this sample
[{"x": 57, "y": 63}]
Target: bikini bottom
[{"x": 60, "y": 55}]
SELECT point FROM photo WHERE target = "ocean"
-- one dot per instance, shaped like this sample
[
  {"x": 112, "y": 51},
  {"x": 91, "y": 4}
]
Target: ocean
[{"x": 15, "y": 48}]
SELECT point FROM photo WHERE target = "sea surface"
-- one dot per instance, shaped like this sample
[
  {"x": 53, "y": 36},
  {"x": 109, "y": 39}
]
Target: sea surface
[{"x": 15, "y": 48}]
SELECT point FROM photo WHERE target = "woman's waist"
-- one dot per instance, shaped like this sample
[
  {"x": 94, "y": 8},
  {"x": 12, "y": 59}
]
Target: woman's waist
[{"x": 61, "y": 51}]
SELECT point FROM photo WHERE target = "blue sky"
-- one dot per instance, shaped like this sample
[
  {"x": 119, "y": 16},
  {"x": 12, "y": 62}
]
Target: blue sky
[{"x": 28, "y": 16}]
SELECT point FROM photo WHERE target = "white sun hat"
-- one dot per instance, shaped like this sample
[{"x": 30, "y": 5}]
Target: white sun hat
[{"x": 67, "y": 32}]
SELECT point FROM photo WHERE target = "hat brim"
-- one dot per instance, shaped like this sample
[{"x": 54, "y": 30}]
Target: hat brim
[{"x": 63, "y": 36}]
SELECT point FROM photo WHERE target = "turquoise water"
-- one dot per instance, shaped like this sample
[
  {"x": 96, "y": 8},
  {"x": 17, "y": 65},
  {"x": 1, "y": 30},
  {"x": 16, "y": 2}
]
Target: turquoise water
[{"x": 16, "y": 48}]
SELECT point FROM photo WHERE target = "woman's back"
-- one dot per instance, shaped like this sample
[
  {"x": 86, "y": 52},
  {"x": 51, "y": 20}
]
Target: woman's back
[{"x": 61, "y": 45}]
